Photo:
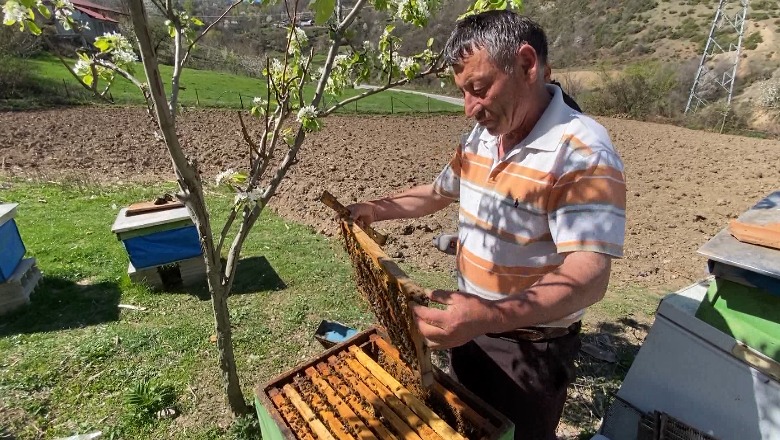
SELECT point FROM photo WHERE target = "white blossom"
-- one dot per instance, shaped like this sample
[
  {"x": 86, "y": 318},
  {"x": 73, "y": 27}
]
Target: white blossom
[
  {"x": 258, "y": 102},
  {"x": 81, "y": 68},
  {"x": 224, "y": 175},
  {"x": 62, "y": 14},
  {"x": 405, "y": 63},
  {"x": 298, "y": 40},
  {"x": 124, "y": 56},
  {"x": 13, "y": 12},
  {"x": 277, "y": 68},
  {"x": 251, "y": 196},
  {"x": 307, "y": 112}
]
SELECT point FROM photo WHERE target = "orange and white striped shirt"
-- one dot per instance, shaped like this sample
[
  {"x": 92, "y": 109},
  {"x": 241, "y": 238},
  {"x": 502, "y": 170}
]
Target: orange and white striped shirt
[{"x": 561, "y": 189}]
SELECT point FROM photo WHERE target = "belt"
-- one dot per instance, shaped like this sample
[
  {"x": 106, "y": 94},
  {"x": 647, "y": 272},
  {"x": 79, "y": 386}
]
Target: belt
[{"x": 537, "y": 334}]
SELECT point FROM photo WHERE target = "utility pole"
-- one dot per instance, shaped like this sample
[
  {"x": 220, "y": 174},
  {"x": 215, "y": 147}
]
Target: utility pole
[{"x": 725, "y": 44}]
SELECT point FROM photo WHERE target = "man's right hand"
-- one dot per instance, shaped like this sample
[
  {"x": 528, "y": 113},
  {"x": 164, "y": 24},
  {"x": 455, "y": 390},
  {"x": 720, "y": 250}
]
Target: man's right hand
[{"x": 362, "y": 213}]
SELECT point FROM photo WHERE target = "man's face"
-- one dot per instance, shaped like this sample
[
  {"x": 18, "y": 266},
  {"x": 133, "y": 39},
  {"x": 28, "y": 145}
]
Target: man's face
[{"x": 492, "y": 97}]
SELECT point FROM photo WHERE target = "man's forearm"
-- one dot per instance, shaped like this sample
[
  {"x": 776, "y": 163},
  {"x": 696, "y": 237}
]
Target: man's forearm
[
  {"x": 578, "y": 283},
  {"x": 412, "y": 203}
]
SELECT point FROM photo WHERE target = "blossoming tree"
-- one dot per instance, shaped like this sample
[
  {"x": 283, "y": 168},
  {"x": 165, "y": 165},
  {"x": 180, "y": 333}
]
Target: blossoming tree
[{"x": 347, "y": 64}]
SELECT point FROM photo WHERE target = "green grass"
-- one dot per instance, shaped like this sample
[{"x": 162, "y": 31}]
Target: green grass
[
  {"x": 69, "y": 360},
  {"x": 74, "y": 362},
  {"x": 205, "y": 88}
]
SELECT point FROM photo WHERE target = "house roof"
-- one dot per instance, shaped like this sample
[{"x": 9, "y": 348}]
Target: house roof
[
  {"x": 93, "y": 14},
  {"x": 94, "y": 6}
]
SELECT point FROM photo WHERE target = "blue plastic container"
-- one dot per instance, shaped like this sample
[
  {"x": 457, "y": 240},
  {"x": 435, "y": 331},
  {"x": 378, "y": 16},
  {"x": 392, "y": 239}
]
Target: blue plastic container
[
  {"x": 11, "y": 249},
  {"x": 330, "y": 333},
  {"x": 163, "y": 247}
]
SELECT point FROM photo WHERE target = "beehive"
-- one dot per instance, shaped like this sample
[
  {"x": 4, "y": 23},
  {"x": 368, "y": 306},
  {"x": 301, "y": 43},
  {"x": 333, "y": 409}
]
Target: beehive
[{"x": 353, "y": 391}]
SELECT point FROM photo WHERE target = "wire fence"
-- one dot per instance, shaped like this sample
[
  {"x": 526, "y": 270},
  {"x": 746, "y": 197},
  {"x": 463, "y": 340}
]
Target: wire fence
[{"x": 381, "y": 103}]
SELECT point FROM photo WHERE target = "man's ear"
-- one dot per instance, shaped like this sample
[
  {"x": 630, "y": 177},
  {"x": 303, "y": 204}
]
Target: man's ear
[{"x": 527, "y": 61}]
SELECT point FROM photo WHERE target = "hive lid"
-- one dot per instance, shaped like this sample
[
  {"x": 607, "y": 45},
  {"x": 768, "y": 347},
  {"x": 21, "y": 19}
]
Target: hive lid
[
  {"x": 7, "y": 211},
  {"x": 124, "y": 223},
  {"x": 726, "y": 249}
]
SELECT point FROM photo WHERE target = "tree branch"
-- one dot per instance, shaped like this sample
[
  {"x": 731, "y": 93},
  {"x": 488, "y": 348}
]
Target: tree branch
[
  {"x": 351, "y": 16},
  {"x": 83, "y": 84},
  {"x": 208, "y": 28},
  {"x": 431, "y": 70}
]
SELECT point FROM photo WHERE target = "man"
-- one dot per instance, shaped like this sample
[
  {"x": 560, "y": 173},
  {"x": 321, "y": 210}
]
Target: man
[{"x": 542, "y": 213}]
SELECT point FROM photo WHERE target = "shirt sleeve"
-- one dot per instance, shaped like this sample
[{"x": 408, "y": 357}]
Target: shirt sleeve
[
  {"x": 587, "y": 205},
  {"x": 447, "y": 183}
]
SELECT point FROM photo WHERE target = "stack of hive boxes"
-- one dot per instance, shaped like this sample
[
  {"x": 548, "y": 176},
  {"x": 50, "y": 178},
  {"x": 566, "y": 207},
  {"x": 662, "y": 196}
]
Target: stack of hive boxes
[
  {"x": 18, "y": 275},
  {"x": 163, "y": 246}
]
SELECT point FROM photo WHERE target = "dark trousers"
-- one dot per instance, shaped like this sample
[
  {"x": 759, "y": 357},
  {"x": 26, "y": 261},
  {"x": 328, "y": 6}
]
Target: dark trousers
[{"x": 526, "y": 381}]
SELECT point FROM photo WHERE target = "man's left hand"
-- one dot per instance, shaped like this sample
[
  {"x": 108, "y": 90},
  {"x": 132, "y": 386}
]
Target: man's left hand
[{"x": 463, "y": 318}]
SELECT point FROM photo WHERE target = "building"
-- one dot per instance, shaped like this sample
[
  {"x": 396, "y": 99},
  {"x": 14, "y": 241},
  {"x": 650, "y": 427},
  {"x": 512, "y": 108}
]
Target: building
[{"x": 99, "y": 20}]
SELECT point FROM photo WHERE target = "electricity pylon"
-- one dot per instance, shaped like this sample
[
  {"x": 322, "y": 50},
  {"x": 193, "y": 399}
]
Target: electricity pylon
[{"x": 725, "y": 45}]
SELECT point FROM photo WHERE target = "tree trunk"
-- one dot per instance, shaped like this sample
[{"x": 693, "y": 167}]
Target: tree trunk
[{"x": 194, "y": 199}]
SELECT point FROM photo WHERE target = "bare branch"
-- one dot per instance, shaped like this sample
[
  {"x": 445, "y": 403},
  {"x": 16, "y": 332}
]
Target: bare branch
[
  {"x": 351, "y": 16},
  {"x": 208, "y": 28},
  {"x": 225, "y": 229},
  {"x": 302, "y": 82},
  {"x": 177, "y": 67},
  {"x": 247, "y": 138}
]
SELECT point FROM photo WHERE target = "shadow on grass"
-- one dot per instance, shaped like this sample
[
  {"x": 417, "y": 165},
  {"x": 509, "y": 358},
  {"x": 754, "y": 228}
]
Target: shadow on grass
[
  {"x": 253, "y": 275},
  {"x": 602, "y": 364},
  {"x": 60, "y": 304}
]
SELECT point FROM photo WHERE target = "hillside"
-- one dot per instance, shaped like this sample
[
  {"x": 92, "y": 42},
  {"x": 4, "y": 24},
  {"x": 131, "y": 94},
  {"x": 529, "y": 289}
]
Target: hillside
[{"x": 586, "y": 36}]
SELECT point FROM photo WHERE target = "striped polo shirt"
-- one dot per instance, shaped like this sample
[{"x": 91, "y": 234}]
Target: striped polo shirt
[{"x": 560, "y": 190}]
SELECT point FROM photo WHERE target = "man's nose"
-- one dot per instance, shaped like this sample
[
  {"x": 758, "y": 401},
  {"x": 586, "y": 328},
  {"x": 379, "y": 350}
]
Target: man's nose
[{"x": 471, "y": 105}]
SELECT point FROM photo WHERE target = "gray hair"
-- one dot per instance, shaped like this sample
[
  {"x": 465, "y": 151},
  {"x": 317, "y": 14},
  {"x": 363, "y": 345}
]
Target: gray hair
[{"x": 501, "y": 33}]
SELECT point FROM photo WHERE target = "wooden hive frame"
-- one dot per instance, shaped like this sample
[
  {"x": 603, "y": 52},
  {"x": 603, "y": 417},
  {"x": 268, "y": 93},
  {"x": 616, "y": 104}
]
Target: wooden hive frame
[
  {"x": 389, "y": 292},
  {"x": 352, "y": 391}
]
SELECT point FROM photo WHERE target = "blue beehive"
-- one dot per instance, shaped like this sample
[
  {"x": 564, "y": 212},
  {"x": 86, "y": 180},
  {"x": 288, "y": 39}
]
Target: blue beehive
[
  {"x": 157, "y": 238},
  {"x": 11, "y": 247}
]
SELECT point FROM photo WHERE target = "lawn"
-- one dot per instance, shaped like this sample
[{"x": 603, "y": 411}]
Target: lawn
[
  {"x": 204, "y": 88},
  {"x": 71, "y": 359}
]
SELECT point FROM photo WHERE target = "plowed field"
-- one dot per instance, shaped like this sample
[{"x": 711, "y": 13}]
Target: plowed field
[{"x": 683, "y": 185}]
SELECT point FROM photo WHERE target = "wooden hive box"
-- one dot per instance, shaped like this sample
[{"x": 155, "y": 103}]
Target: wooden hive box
[{"x": 351, "y": 392}]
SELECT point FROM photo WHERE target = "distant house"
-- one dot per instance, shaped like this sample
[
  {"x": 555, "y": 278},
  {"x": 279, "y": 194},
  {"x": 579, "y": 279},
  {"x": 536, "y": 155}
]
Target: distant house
[{"x": 99, "y": 20}]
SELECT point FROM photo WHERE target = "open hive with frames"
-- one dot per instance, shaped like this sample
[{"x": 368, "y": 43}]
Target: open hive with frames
[{"x": 380, "y": 384}]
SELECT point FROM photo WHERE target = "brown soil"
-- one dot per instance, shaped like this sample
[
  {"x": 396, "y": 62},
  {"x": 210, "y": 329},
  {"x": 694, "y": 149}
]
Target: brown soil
[{"x": 683, "y": 185}]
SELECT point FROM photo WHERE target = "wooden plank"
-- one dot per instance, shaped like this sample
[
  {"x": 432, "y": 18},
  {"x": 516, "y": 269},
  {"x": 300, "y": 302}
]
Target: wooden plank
[
  {"x": 461, "y": 407},
  {"x": 145, "y": 207},
  {"x": 354, "y": 402},
  {"x": 448, "y": 396},
  {"x": 337, "y": 428},
  {"x": 431, "y": 418},
  {"x": 315, "y": 424},
  {"x": 761, "y": 234},
  {"x": 289, "y": 415},
  {"x": 411, "y": 418},
  {"x": 343, "y": 409},
  {"x": 330, "y": 201},
  {"x": 401, "y": 426}
]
